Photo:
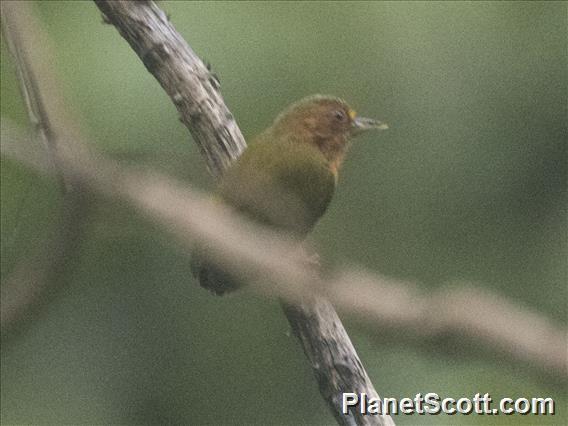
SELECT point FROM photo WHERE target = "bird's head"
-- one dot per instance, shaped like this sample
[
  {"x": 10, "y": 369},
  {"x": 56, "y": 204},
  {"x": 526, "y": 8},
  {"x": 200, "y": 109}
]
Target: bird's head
[{"x": 326, "y": 122}]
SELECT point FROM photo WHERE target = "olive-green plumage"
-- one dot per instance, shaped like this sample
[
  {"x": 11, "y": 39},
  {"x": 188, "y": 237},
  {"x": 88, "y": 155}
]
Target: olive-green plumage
[{"x": 287, "y": 176}]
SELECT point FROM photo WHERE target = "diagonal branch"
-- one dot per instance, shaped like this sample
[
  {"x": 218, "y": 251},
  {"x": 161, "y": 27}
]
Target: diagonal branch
[
  {"x": 29, "y": 290},
  {"x": 266, "y": 261},
  {"x": 189, "y": 83},
  {"x": 15, "y": 19},
  {"x": 195, "y": 93}
]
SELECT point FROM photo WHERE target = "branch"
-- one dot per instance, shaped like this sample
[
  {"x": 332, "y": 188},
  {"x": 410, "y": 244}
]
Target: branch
[
  {"x": 14, "y": 20},
  {"x": 27, "y": 289},
  {"x": 337, "y": 368},
  {"x": 195, "y": 92},
  {"x": 313, "y": 319},
  {"x": 269, "y": 263},
  {"x": 189, "y": 83},
  {"x": 275, "y": 269}
]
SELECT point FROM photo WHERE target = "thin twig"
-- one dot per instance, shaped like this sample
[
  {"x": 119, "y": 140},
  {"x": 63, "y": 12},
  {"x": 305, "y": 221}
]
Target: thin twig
[
  {"x": 28, "y": 290},
  {"x": 13, "y": 20}
]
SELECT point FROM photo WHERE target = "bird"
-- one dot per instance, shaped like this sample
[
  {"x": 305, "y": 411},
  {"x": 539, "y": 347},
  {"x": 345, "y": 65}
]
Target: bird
[{"x": 285, "y": 179}]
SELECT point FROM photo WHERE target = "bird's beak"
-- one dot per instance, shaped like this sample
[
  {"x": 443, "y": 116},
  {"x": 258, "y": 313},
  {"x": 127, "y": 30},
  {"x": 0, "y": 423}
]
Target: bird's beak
[{"x": 362, "y": 124}]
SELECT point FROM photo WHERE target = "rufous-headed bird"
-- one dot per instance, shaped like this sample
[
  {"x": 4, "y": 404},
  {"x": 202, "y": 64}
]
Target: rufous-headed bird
[{"x": 287, "y": 176}]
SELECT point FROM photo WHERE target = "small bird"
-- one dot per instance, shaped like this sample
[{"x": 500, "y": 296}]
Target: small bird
[{"x": 287, "y": 176}]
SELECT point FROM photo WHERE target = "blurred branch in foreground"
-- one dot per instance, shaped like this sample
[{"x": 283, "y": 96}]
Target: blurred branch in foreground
[
  {"x": 194, "y": 90},
  {"x": 274, "y": 268},
  {"x": 269, "y": 262},
  {"x": 29, "y": 289}
]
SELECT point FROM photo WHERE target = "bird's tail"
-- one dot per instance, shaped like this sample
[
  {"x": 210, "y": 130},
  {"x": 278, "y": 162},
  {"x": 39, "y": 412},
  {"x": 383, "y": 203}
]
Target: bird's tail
[{"x": 211, "y": 277}]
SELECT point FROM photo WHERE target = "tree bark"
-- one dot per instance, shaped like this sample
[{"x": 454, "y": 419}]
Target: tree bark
[{"x": 194, "y": 90}]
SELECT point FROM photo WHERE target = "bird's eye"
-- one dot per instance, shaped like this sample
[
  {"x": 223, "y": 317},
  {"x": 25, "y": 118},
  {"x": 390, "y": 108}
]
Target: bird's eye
[{"x": 339, "y": 115}]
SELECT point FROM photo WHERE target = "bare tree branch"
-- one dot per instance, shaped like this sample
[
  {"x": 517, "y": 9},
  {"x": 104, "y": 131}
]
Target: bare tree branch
[
  {"x": 195, "y": 92},
  {"x": 14, "y": 20},
  {"x": 28, "y": 290},
  {"x": 275, "y": 269},
  {"x": 191, "y": 86},
  {"x": 337, "y": 369}
]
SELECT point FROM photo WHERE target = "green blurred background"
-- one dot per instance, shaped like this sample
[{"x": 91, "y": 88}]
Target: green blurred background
[{"x": 469, "y": 184}]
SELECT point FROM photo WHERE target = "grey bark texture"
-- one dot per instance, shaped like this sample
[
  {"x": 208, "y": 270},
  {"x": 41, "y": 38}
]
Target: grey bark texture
[
  {"x": 189, "y": 83},
  {"x": 194, "y": 90}
]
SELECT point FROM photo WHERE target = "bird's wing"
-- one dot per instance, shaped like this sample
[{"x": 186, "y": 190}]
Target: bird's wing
[{"x": 284, "y": 184}]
